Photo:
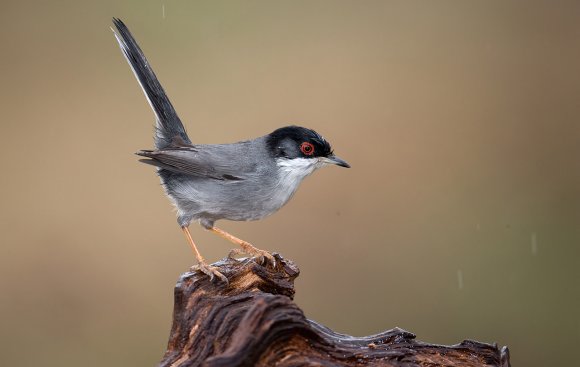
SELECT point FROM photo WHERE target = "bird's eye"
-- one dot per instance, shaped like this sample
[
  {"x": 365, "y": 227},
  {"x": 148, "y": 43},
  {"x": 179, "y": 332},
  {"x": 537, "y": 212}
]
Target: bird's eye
[{"x": 307, "y": 148}]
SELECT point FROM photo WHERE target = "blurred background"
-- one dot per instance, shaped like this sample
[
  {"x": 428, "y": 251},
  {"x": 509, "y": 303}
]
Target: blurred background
[{"x": 459, "y": 219}]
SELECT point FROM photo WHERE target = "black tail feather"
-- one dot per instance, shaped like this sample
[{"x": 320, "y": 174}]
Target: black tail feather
[{"x": 168, "y": 123}]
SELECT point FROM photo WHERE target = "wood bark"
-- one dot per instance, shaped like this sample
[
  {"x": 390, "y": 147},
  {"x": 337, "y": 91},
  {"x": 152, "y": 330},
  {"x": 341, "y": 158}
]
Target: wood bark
[{"x": 252, "y": 321}]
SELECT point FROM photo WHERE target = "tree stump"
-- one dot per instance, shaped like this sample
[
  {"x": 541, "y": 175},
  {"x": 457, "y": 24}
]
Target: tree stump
[{"x": 252, "y": 321}]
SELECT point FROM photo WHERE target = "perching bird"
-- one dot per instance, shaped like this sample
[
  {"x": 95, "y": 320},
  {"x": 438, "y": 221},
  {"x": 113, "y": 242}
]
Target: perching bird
[{"x": 243, "y": 181}]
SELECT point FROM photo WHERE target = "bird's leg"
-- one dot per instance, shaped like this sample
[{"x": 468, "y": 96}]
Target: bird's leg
[
  {"x": 202, "y": 266},
  {"x": 246, "y": 247}
]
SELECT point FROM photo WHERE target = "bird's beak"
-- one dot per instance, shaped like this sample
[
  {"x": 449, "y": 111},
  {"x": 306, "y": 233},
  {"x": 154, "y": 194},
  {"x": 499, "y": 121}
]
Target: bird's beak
[{"x": 335, "y": 160}]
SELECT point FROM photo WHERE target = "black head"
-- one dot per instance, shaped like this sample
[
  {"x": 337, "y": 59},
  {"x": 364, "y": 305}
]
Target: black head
[{"x": 299, "y": 142}]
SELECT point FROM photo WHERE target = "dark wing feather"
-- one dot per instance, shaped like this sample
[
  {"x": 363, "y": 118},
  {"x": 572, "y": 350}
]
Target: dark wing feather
[{"x": 190, "y": 161}]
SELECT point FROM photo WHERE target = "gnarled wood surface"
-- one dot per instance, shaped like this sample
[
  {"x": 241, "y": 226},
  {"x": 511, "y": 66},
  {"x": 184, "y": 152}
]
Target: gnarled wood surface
[{"x": 252, "y": 321}]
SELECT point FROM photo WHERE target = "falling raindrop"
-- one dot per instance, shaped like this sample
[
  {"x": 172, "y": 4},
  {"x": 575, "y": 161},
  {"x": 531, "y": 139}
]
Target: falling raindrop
[
  {"x": 460, "y": 279},
  {"x": 163, "y": 10},
  {"x": 534, "y": 242}
]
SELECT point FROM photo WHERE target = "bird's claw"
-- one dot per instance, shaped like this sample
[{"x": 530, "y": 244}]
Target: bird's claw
[
  {"x": 210, "y": 271},
  {"x": 261, "y": 256},
  {"x": 266, "y": 255},
  {"x": 235, "y": 252}
]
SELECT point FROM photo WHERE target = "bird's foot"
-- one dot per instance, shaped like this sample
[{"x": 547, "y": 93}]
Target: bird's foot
[
  {"x": 261, "y": 255},
  {"x": 210, "y": 271}
]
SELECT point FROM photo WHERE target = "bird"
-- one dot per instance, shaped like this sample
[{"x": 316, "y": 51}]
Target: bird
[{"x": 243, "y": 181}]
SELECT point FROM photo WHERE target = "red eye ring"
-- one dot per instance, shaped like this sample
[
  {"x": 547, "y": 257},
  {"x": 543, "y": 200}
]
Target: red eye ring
[{"x": 307, "y": 148}]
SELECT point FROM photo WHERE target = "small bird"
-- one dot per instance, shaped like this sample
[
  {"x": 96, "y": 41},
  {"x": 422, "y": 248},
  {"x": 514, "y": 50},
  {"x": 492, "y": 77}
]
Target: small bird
[{"x": 242, "y": 181}]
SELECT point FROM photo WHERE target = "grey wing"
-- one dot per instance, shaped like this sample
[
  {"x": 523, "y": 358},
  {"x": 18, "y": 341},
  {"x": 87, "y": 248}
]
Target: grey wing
[{"x": 195, "y": 162}]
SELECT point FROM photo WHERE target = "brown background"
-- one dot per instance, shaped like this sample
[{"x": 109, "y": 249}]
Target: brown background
[{"x": 459, "y": 218}]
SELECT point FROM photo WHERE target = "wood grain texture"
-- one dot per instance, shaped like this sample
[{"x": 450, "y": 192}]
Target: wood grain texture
[{"x": 252, "y": 321}]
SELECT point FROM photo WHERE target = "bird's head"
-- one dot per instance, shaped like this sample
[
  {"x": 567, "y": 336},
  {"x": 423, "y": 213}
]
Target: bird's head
[{"x": 296, "y": 147}]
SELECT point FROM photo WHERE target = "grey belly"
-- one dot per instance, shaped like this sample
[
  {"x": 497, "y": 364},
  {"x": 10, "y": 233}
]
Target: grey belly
[{"x": 208, "y": 199}]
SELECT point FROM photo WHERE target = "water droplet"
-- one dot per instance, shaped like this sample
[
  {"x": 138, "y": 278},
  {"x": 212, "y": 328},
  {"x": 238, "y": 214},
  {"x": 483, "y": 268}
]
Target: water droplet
[
  {"x": 460, "y": 279},
  {"x": 534, "y": 242}
]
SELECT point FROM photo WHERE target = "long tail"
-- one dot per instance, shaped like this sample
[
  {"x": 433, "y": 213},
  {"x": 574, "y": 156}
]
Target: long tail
[{"x": 168, "y": 126}]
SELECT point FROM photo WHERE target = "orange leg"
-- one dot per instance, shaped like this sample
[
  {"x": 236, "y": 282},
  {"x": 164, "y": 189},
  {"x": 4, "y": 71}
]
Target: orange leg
[
  {"x": 202, "y": 266},
  {"x": 246, "y": 247},
  {"x": 192, "y": 244}
]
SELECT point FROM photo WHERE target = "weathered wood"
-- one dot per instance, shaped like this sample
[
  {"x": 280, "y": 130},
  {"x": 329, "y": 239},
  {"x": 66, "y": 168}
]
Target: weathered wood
[{"x": 252, "y": 321}]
